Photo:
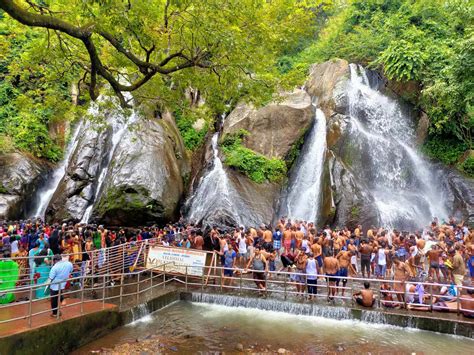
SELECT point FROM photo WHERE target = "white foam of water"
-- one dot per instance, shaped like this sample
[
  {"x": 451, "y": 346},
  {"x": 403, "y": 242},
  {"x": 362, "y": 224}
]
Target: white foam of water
[
  {"x": 214, "y": 192},
  {"x": 303, "y": 200},
  {"x": 386, "y": 135},
  {"x": 45, "y": 194},
  {"x": 392, "y": 333},
  {"x": 119, "y": 124}
]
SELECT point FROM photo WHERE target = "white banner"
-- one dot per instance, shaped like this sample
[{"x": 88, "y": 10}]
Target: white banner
[{"x": 195, "y": 260}]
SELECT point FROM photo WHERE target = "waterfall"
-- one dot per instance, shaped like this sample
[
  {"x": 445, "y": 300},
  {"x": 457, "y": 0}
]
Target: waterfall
[
  {"x": 44, "y": 195},
  {"x": 306, "y": 309},
  {"x": 404, "y": 187},
  {"x": 140, "y": 314},
  {"x": 119, "y": 123},
  {"x": 303, "y": 197},
  {"x": 214, "y": 195}
]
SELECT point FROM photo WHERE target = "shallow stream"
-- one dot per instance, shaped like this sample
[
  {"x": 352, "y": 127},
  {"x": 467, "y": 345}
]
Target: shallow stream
[{"x": 188, "y": 327}]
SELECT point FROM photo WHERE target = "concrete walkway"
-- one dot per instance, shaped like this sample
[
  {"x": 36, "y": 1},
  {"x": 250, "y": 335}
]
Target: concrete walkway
[{"x": 72, "y": 309}]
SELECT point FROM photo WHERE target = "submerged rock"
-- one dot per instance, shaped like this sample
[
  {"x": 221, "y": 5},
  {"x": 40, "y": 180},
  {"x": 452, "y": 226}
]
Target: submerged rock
[{"x": 20, "y": 176}]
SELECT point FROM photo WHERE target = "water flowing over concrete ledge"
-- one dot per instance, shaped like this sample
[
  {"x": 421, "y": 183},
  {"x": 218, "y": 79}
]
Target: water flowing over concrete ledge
[
  {"x": 71, "y": 334},
  {"x": 441, "y": 323}
]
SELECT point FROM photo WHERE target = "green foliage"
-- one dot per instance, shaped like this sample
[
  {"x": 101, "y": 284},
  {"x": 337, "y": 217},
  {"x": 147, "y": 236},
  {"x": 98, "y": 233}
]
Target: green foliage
[
  {"x": 468, "y": 166},
  {"x": 32, "y": 95},
  {"x": 256, "y": 166},
  {"x": 426, "y": 41},
  {"x": 6, "y": 144},
  {"x": 446, "y": 149},
  {"x": 355, "y": 212},
  {"x": 403, "y": 60},
  {"x": 238, "y": 41},
  {"x": 235, "y": 139},
  {"x": 185, "y": 119},
  {"x": 295, "y": 150}
]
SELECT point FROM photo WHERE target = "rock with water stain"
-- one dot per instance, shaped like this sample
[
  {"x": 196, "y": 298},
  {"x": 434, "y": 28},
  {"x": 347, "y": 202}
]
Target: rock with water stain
[
  {"x": 273, "y": 129},
  {"x": 145, "y": 181},
  {"x": 20, "y": 176}
]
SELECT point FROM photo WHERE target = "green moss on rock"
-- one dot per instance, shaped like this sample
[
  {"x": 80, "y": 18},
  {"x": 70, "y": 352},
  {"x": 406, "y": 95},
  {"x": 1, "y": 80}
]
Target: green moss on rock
[{"x": 256, "y": 166}]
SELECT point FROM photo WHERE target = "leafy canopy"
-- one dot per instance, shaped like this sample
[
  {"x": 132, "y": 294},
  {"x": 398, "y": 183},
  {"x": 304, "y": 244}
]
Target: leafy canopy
[
  {"x": 429, "y": 42},
  {"x": 225, "y": 50}
]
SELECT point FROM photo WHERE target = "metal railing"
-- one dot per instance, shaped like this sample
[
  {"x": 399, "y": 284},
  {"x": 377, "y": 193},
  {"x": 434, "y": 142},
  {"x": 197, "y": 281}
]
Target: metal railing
[
  {"x": 98, "y": 289},
  {"x": 280, "y": 283},
  {"x": 127, "y": 288},
  {"x": 112, "y": 260}
]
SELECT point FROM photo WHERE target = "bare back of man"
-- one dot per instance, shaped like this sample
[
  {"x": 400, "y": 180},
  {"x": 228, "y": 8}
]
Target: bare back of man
[{"x": 331, "y": 267}]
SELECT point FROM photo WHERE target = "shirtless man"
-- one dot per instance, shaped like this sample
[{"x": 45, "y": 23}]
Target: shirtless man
[
  {"x": 344, "y": 259},
  {"x": 365, "y": 297},
  {"x": 420, "y": 258},
  {"x": 338, "y": 243},
  {"x": 401, "y": 273},
  {"x": 198, "y": 241},
  {"x": 267, "y": 239},
  {"x": 299, "y": 277},
  {"x": 299, "y": 235},
  {"x": 326, "y": 244},
  {"x": 365, "y": 253},
  {"x": 287, "y": 237},
  {"x": 331, "y": 268},
  {"x": 433, "y": 259},
  {"x": 317, "y": 252}
]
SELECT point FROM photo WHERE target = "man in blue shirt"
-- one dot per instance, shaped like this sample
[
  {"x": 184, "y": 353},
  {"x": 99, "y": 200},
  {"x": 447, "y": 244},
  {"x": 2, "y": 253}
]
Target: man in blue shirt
[{"x": 58, "y": 277}]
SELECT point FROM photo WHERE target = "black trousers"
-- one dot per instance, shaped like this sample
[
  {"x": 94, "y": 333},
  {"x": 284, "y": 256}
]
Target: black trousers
[
  {"x": 312, "y": 288},
  {"x": 54, "y": 301}
]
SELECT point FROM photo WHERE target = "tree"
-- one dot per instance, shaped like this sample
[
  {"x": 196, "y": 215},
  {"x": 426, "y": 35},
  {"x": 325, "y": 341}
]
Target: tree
[{"x": 233, "y": 40}]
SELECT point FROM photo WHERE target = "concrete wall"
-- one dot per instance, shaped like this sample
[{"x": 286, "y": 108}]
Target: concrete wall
[{"x": 65, "y": 336}]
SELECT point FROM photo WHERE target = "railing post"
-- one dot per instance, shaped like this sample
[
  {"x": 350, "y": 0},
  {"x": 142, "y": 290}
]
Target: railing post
[
  {"x": 58, "y": 311},
  {"x": 82, "y": 296},
  {"x": 379, "y": 294},
  {"x": 431, "y": 298},
  {"x": 121, "y": 291},
  {"x": 202, "y": 281},
  {"x": 138, "y": 288},
  {"x": 30, "y": 306},
  {"x": 123, "y": 259},
  {"x": 240, "y": 284},
  {"x": 186, "y": 277},
  {"x": 352, "y": 292},
  {"x": 151, "y": 281},
  {"x": 265, "y": 275},
  {"x": 458, "y": 306},
  {"x": 164, "y": 276},
  {"x": 222, "y": 278},
  {"x": 285, "y": 284},
  {"x": 405, "y": 294},
  {"x": 103, "y": 292}
]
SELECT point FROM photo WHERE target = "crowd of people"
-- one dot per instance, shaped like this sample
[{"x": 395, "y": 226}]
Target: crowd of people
[{"x": 442, "y": 253}]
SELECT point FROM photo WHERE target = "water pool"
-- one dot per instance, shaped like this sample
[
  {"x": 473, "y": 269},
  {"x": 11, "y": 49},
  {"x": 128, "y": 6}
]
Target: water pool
[{"x": 189, "y": 327}]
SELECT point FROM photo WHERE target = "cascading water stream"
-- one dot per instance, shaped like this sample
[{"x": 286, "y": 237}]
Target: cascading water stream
[
  {"x": 402, "y": 184},
  {"x": 303, "y": 198},
  {"x": 214, "y": 193},
  {"x": 119, "y": 124},
  {"x": 45, "y": 194}
]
